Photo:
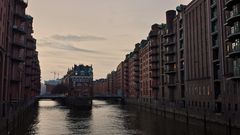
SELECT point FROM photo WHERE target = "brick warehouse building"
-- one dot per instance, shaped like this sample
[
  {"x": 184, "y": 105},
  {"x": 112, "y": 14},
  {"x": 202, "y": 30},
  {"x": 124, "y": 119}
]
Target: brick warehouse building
[
  {"x": 144, "y": 78},
  {"x": 196, "y": 71},
  {"x": 100, "y": 87},
  {"x": 134, "y": 73},
  {"x": 231, "y": 57},
  {"x": 111, "y": 80},
  {"x": 19, "y": 64}
]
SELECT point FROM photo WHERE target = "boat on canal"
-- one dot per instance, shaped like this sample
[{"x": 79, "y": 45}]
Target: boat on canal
[{"x": 79, "y": 81}]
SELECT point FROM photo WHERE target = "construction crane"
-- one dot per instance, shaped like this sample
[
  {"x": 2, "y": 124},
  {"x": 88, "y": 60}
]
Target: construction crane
[{"x": 55, "y": 73}]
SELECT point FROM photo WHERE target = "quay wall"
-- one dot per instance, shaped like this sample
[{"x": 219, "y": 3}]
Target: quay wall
[
  {"x": 17, "y": 117},
  {"x": 193, "y": 117}
]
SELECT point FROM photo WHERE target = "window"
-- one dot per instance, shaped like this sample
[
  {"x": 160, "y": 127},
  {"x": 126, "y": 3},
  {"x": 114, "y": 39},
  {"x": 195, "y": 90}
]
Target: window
[
  {"x": 235, "y": 45},
  {"x": 215, "y": 40},
  {"x": 236, "y": 9},
  {"x": 236, "y": 66},
  {"x": 214, "y": 12},
  {"x": 215, "y": 54},
  {"x": 181, "y": 54},
  {"x": 182, "y": 91},
  {"x": 181, "y": 44},
  {"x": 237, "y": 27},
  {"x": 181, "y": 34},
  {"x": 214, "y": 26}
]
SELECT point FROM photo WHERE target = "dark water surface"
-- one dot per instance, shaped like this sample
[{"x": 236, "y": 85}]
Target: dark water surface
[{"x": 52, "y": 118}]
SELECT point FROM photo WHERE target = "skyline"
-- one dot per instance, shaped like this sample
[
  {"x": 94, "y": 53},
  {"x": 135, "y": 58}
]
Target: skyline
[{"x": 79, "y": 38}]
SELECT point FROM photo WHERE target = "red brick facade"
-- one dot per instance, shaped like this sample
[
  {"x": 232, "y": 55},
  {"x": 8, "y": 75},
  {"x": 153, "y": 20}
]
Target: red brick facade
[
  {"x": 19, "y": 65},
  {"x": 191, "y": 63},
  {"x": 100, "y": 87}
]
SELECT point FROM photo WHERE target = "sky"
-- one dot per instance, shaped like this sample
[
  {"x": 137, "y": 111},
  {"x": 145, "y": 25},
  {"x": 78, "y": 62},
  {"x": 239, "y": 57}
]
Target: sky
[{"x": 92, "y": 32}]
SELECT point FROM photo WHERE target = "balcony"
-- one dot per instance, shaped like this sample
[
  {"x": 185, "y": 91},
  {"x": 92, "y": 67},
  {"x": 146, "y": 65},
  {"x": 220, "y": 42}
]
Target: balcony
[
  {"x": 23, "y": 2},
  {"x": 236, "y": 74},
  {"x": 136, "y": 70},
  {"x": 135, "y": 86},
  {"x": 154, "y": 60},
  {"x": 29, "y": 54},
  {"x": 230, "y": 3},
  {"x": 170, "y": 51},
  {"x": 28, "y": 71},
  {"x": 28, "y": 82},
  {"x": 136, "y": 80},
  {"x": 153, "y": 34},
  {"x": 16, "y": 77},
  {"x": 154, "y": 67},
  {"x": 234, "y": 34},
  {"x": 213, "y": 3},
  {"x": 19, "y": 42},
  {"x": 18, "y": 57},
  {"x": 154, "y": 52},
  {"x": 170, "y": 71},
  {"x": 155, "y": 75},
  {"x": 217, "y": 74},
  {"x": 31, "y": 38},
  {"x": 170, "y": 61},
  {"x": 136, "y": 59},
  {"x": 136, "y": 64},
  {"x": 171, "y": 82},
  {"x": 233, "y": 17},
  {"x": 136, "y": 75},
  {"x": 154, "y": 46},
  {"x": 31, "y": 46},
  {"x": 169, "y": 43},
  {"x": 235, "y": 51},
  {"x": 168, "y": 34},
  {"x": 28, "y": 63},
  {"x": 20, "y": 13},
  {"x": 19, "y": 29},
  {"x": 155, "y": 85}
]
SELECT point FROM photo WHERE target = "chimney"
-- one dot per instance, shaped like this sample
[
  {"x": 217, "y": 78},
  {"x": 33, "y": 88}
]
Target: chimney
[{"x": 170, "y": 15}]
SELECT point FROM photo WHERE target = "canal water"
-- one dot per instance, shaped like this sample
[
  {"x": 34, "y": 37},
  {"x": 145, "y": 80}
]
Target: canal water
[{"x": 52, "y": 118}]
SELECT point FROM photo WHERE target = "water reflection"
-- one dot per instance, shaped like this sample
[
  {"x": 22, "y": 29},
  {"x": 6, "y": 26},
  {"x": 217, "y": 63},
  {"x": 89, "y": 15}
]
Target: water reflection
[
  {"x": 79, "y": 122},
  {"x": 52, "y": 118}
]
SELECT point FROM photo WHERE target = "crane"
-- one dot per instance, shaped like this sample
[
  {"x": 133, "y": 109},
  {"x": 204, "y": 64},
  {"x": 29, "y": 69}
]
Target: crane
[{"x": 55, "y": 73}]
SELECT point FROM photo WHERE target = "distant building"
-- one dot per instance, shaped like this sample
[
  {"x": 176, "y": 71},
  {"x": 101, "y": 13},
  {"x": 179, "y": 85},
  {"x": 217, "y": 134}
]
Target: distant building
[
  {"x": 79, "y": 82},
  {"x": 119, "y": 79},
  {"x": 133, "y": 72},
  {"x": 144, "y": 79},
  {"x": 100, "y": 87},
  {"x": 43, "y": 89},
  {"x": 50, "y": 85}
]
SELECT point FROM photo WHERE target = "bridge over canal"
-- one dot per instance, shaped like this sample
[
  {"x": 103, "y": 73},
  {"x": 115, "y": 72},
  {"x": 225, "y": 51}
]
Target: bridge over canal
[{"x": 61, "y": 97}]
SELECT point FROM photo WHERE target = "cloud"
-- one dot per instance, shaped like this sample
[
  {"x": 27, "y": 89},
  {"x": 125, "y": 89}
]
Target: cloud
[
  {"x": 127, "y": 50},
  {"x": 66, "y": 46},
  {"x": 76, "y": 38}
]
